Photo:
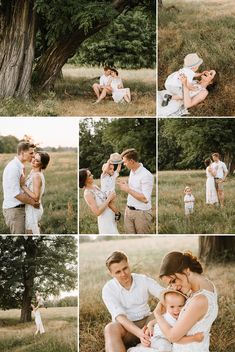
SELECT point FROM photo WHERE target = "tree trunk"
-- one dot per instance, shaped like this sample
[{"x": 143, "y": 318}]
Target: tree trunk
[
  {"x": 160, "y": 3},
  {"x": 230, "y": 162},
  {"x": 29, "y": 273},
  {"x": 216, "y": 248},
  {"x": 17, "y": 42},
  {"x": 51, "y": 62}
]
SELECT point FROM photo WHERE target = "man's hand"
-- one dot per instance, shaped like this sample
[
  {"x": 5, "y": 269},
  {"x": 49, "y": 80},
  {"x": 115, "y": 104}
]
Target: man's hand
[
  {"x": 144, "y": 338},
  {"x": 35, "y": 204},
  {"x": 123, "y": 186}
]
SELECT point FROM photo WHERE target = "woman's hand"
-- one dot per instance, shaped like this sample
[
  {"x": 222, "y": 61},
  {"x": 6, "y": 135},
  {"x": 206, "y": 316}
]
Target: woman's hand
[
  {"x": 159, "y": 310},
  {"x": 111, "y": 196},
  {"x": 199, "y": 336}
]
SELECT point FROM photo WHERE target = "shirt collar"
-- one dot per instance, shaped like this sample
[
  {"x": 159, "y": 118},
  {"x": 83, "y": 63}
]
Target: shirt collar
[
  {"x": 138, "y": 170},
  {"x": 19, "y": 162},
  {"x": 123, "y": 288}
]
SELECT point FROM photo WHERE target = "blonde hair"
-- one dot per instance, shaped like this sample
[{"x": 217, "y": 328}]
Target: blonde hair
[{"x": 187, "y": 188}]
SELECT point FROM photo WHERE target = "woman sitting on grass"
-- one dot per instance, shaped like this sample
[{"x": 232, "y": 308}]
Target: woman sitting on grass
[
  {"x": 98, "y": 203},
  {"x": 206, "y": 84}
]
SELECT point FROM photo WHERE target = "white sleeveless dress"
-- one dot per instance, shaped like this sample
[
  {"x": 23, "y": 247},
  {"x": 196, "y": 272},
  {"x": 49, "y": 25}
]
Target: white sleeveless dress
[
  {"x": 33, "y": 215},
  {"x": 38, "y": 321},
  {"x": 118, "y": 93},
  {"x": 211, "y": 194},
  {"x": 203, "y": 325},
  {"x": 106, "y": 220}
]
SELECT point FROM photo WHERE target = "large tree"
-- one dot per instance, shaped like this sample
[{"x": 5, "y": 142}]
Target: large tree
[
  {"x": 62, "y": 26},
  {"x": 47, "y": 264},
  {"x": 217, "y": 248}
]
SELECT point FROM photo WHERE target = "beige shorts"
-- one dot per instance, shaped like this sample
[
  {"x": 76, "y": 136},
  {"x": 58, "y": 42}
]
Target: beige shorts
[
  {"x": 138, "y": 221},
  {"x": 15, "y": 220},
  {"x": 131, "y": 340},
  {"x": 218, "y": 184}
]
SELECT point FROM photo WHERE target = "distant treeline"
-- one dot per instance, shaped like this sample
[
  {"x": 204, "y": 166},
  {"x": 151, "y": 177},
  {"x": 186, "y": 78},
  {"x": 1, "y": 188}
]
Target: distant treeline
[
  {"x": 98, "y": 139},
  {"x": 8, "y": 144},
  {"x": 69, "y": 301}
]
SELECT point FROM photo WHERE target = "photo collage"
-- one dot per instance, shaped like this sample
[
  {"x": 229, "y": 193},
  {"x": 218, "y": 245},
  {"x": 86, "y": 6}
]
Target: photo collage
[{"x": 117, "y": 172}]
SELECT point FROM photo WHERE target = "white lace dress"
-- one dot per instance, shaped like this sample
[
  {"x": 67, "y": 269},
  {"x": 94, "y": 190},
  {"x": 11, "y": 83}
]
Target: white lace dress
[
  {"x": 106, "y": 220},
  {"x": 211, "y": 194},
  {"x": 118, "y": 93},
  {"x": 203, "y": 325},
  {"x": 33, "y": 215},
  {"x": 38, "y": 321}
]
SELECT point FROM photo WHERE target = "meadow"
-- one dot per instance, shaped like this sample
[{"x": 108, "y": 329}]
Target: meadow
[
  {"x": 206, "y": 219},
  {"x": 205, "y": 27},
  {"x": 88, "y": 222},
  {"x": 60, "y": 198},
  {"x": 145, "y": 255},
  {"x": 73, "y": 96},
  {"x": 60, "y": 325}
]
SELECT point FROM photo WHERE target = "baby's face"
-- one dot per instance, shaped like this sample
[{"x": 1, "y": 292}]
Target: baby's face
[
  {"x": 111, "y": 170},
  {"x": 188, "y": 192},
  {"x": 174, "y": 302}
]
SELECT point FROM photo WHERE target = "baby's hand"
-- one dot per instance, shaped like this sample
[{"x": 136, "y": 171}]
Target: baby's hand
[
  {"x": 199, "y": 336},
  {"x": 149, "y": 330}
]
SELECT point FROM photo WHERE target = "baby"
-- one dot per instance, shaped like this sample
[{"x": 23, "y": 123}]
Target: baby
[
  {"x": 173, "y": 82},
  {"x": 188, "y": 201},
  {"x": 40, "y": 300},
  {"x": 174, "y": 301},
  {"x": 108, "y": 179}
]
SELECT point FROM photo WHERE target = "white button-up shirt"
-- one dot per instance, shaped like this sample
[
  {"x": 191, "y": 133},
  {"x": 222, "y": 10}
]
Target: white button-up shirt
[
  {"x": 104, "y": 80},
  {"x": 140, "y": 181},
  {"x": 11, "y": 183},
  {"x": 132, "y": 303},
  {"x": 220, "y": 169}
]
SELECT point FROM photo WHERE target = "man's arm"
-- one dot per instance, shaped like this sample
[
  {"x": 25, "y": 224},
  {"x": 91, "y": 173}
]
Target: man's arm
[
  {"x": 139, "y": 196},
  {"x": 24, "y": 198}
]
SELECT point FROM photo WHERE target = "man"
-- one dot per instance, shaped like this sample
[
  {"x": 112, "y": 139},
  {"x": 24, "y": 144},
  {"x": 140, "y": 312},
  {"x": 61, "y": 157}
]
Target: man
[
  {"x": 138, "y": 213},
  {"x": 102, "y": 85},
  {"x": 126, "y": 298},
  {"x": 221, "y": 173},
  {"x": 14, "y": 199}
]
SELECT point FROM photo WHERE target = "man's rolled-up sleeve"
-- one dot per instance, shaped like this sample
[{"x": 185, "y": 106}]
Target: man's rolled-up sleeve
[
  {"x": 112, "y": 304},
  {"x": 147, "y": 186},
  {"x": 154, "y": 288}
]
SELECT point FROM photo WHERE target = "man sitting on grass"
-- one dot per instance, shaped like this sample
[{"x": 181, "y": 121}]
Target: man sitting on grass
[
  {"x": 103, "y": 83},
  {"x": 126, "y": 298}
]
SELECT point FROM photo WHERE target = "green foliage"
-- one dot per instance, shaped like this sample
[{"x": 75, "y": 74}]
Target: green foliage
[
  {"x": 8, "y": 144},
  {"x": 53, "y": 259},
  {"x": 128, "y": 42},
  {"x": 97, "y": 140}
]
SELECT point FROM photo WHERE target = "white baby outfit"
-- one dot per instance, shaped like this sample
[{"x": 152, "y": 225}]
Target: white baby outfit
[
  {"x": 108, "y": 182},
  {"x": 188, "y": 204},
  {"x": 173, "y": 84}
]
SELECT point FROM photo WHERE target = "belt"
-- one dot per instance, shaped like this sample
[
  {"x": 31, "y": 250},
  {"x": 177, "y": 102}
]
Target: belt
[
  {"x": 132, "y": 208},
  {"x": 20, "y": 206}
]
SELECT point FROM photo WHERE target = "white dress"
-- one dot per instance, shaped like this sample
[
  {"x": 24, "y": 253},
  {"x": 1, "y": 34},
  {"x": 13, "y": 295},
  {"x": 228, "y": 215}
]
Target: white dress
[
  {"x": 106, "y": 220},
  {"x": 33, "y": 215},
  {"x": 38, "y": 321},
  {"x": 211, "y": 194},
  {"x": 203, "y": 325},
  {"x": 118, "y": 93}
]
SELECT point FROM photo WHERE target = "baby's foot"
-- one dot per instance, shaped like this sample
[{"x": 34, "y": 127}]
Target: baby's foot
[
  {"x": 166, "y": 99},
  {"x": 118, "y": 216}
]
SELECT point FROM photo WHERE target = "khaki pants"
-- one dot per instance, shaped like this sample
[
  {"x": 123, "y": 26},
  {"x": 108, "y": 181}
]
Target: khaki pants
[
  {"x": 138, "y": 221},
  {"x": 15, "y": 219},
  {"x": 131, "y": 340}
]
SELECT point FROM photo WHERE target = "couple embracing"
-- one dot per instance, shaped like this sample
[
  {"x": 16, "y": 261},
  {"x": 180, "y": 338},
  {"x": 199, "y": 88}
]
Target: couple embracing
[
  {"x": 182, "y": 320},
  {"x": 22, "y": 206}
]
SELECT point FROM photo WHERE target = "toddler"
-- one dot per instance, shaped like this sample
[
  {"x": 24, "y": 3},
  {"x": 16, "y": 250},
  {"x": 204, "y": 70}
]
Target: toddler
[
  {"x": 173, "y": 83},
  {"x": 108, "y": 179},
  {"x": 188, "y": 201},
  {"x": 40, "y": 300},
  {"x": 174, "y": 301}
]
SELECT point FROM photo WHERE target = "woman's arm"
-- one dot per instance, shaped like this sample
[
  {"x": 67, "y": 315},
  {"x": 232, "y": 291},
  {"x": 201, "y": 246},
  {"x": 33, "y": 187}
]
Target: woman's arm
[
  {"x": 198, "y": 337},
  {"x": 37, "y": 185},
  {"x": 120, "y": 86},
  {"x": 211, "y": 171},
  {"x": 193, "y": 313},
  {"x": 98, "y": 210}
]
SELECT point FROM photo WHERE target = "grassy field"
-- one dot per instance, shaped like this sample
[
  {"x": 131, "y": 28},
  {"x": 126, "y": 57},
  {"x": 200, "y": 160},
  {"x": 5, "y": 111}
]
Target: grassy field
[
  {"x": 60, "y": 198},
  {"x": 88, "y": 222},
  {"x": 74, "y": 96},
  {"x": 60, "y": 325},
  {"x": 206, "y": 219},
  {"x": 204, "y": 27},
  {"x": 145, "y": 255}
]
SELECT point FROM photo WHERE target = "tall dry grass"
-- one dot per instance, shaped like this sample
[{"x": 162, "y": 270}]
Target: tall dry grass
[
  {"x": 60, "y": 325},
  {"x": 60, "y": 198},
  {"x": 88, "y": 221},
  {"x": 145, "y": 255},
  {"x": 205, "y": 27},
  {"x": 206, "y": 219}
]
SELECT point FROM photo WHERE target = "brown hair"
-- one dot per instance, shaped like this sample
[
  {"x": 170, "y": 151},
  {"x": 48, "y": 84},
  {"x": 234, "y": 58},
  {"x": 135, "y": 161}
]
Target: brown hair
[
  {"x": 115, "y": 257},
  {"x": 216, "y": 154},
  {"x": 45, "y": 158},
  {"x": 82, "y": 177},
  {"x": 130, "y": 154},
  {"x": 177, "y": 262},
  {"x": 106, "y": 68},
  {"x": 207, "y": 162},
  {"x": 24, "y": 146}
]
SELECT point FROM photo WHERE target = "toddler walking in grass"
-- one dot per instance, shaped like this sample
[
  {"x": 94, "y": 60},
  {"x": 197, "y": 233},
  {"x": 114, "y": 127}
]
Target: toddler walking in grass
[
  {"x": 108, "y": 179},
  {"x": 188, "y": 201}
]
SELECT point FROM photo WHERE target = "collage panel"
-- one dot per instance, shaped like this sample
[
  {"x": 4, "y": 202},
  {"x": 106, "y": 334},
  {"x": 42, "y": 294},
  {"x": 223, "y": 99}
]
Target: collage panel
[
  {"x": 190, "y": 276},
  {"x": 38, "y": 175},
  {"x": 38, "y": 293},
  {"x": 196, "y": 176},
  {"x": 196, "y": 67},
  {"x": 117, "y": 171}
]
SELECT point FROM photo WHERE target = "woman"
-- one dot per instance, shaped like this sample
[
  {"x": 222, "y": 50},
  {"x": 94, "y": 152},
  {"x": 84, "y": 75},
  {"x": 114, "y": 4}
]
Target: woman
[
  {"x": 207, "y": 83},
  {"x": 98, "y": 203},
  {"x": 183, "y": 272},
  {"x": 119, "y": 93},
  {"x": 38, "y": 320},
  {"x": 34, "y": 186},
  {"x": 211, "y": 193}
]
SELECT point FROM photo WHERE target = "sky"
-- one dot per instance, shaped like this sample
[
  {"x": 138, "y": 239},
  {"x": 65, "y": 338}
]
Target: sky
[{"x": 45, "y": 131}]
